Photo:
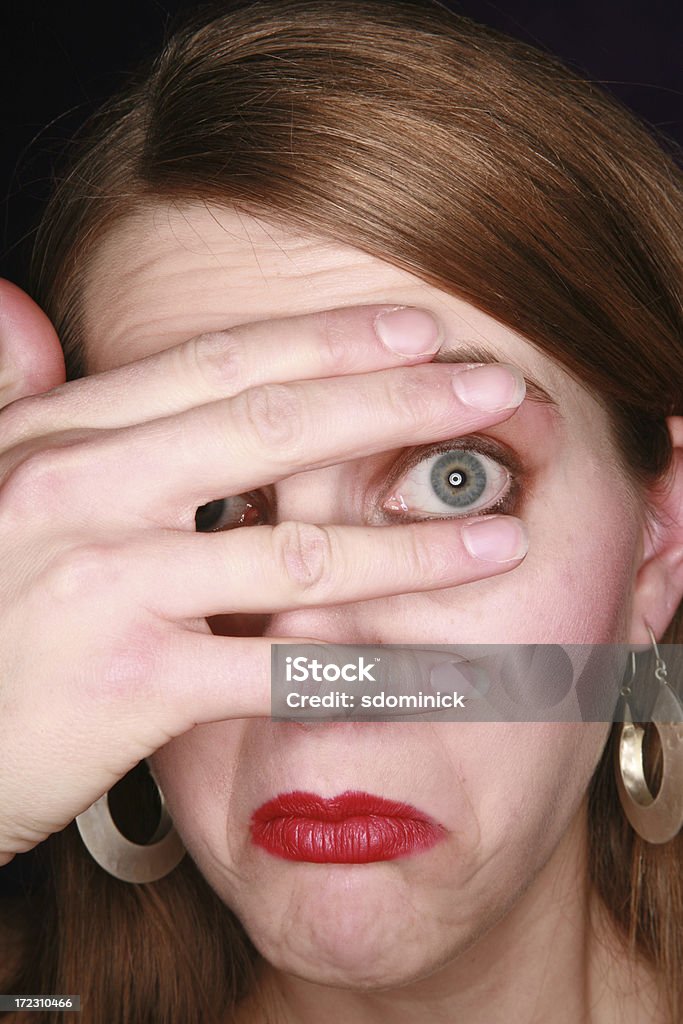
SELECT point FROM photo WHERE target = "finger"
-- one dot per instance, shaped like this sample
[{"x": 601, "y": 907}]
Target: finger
[
  {"x": 31, "y": 359},
  {"x": 242, "y": 691},
  {"x": 326, "y": 343},
  {"x": 212, "y": 678},
  {"x": 183, "y": 678},
  {"x": 298, "y": 565},
  {"x": 269, "y": 433}
]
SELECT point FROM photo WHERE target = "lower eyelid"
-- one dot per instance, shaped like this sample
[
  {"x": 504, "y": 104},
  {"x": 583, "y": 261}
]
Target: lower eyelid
[{"x": 504, "y": 504}]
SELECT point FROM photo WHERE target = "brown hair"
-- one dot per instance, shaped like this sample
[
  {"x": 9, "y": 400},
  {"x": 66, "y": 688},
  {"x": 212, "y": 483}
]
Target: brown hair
[{"x": 488, "y": 169}]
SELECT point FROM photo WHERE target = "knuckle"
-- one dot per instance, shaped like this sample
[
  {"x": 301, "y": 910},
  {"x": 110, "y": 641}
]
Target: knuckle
[
  {"x": 335, "y": 343},
  {"x": 35, "y": 482},
  {"x": 417, "y": 557},
  {"x": 83, "y": 571},
  {"x": 304, "y": 553},
  {"x": 274, "y": 415},
  {"x": 18, "y": 420},
  {"x": 127, "y": 671},
  {"x": 413, "y": 403},
  {"x": 219, "y": 359}
]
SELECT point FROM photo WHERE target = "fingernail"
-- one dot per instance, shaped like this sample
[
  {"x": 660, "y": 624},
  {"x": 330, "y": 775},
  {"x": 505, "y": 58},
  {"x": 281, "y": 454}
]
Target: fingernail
[
  {"x": 408, "y": 331},
  {"x": 491, "y": 387},
  {"x": 496, "y": 538}
]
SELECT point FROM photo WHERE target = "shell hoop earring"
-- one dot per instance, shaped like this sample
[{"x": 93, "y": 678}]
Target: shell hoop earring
[
  {"x": 122, "y": 858},
  {"x": 657, "y": 819}
]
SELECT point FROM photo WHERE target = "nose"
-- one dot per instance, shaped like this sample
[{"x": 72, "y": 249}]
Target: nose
[{"x": 327, "y": 495}]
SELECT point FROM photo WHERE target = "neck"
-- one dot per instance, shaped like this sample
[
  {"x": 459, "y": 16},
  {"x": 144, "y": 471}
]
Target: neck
[{"x": 552, "y": 959}]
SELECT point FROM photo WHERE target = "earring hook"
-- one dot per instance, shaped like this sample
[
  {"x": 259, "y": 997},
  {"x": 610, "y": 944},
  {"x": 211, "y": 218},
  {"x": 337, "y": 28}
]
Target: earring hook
[
  {"x": 626, "y": 688},
  {"x": 660, "y": 670}
]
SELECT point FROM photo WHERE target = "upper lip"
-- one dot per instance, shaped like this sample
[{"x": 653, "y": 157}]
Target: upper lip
[{"x": 352, "y": 803}]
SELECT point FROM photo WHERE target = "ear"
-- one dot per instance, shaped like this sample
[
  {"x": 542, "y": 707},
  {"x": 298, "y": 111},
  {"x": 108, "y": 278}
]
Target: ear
[
  {"x": 659, "y": 581},
  {"x": 31, "y": 359}
]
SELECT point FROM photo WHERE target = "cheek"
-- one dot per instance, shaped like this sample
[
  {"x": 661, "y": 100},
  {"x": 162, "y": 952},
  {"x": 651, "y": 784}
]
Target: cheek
[
  {"x": 575, "y": 584},
  {"x": 524, "y": 795},
  {"x": 579, "y": 582},
  {"x": 508, "y": 814},
  {"x": 526, "y": 801},
  {"x": 196, "y": 773}
]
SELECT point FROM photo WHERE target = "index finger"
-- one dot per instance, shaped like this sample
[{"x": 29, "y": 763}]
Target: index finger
[{"x": 327, "y": 343}]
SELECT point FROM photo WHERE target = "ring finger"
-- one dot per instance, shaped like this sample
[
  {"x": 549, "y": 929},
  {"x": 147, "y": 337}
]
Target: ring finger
[{"x": 268, "y": 569}]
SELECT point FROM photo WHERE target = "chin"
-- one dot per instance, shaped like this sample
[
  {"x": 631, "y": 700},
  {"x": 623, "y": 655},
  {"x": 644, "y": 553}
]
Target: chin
[
  {"x": 357, "y": 966},
  {"x": 351, "y": 927}
]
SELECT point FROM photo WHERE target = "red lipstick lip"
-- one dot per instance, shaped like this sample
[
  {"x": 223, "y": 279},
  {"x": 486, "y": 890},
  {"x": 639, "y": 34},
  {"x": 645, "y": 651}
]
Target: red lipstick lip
[{"x": 352, "y": 828}]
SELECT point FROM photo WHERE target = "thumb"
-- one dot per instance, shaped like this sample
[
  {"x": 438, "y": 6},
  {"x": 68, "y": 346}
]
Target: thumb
[{"x": 31, "y": 359}]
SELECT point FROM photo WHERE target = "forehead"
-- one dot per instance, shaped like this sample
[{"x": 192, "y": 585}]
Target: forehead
[{"x": 174, "y": 271}]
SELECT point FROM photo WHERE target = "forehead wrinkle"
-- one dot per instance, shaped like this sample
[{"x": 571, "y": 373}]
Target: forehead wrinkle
[
  {"x": 218, "y": 260},
  {"x": 212, "y": 250}
]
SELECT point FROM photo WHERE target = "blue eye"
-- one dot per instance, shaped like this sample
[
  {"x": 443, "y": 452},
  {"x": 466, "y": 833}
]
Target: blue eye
[
  {"x": 458, "y": 481},
  {"x": 228, "y": 513}
]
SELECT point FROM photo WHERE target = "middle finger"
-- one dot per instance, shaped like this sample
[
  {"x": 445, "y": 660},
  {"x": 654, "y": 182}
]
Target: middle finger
[{"x": 265, "y": 434}]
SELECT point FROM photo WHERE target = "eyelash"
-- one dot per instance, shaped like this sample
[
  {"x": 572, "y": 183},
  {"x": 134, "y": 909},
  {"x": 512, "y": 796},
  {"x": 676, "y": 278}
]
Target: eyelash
[{"x": 498, "y": 452}]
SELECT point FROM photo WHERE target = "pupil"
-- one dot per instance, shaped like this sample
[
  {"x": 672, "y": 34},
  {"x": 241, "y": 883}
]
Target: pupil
[
  {"x": 455, "y": 479},
  {"x": 208, "y": 515}
]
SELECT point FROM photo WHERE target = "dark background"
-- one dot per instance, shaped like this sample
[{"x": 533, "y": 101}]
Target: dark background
[{"x": 59, "y": 59}]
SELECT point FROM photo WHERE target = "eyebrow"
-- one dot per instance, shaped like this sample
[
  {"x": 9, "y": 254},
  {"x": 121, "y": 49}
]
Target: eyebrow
[{"x": 535, "y": 392}]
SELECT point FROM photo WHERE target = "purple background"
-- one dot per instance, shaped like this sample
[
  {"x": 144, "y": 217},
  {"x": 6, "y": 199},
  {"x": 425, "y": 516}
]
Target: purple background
[{"x": 58, "y": 60}]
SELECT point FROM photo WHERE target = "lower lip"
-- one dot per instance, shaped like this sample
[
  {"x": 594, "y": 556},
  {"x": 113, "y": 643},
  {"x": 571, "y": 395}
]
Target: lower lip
[{"x": 354, "y": 828}]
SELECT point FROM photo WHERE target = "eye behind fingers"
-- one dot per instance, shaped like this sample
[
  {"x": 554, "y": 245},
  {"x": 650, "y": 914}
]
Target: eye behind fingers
[
  {"x": 463, "y": 478},
  {"x": 249, "y": 509},
  {"x": 455, "y": 479}
]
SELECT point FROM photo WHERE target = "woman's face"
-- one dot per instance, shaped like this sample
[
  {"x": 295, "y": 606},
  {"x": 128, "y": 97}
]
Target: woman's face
[{"x": 505, "y": 793}]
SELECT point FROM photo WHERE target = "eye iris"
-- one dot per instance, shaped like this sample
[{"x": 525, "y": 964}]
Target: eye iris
[{"x": 458, "y": 478}]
